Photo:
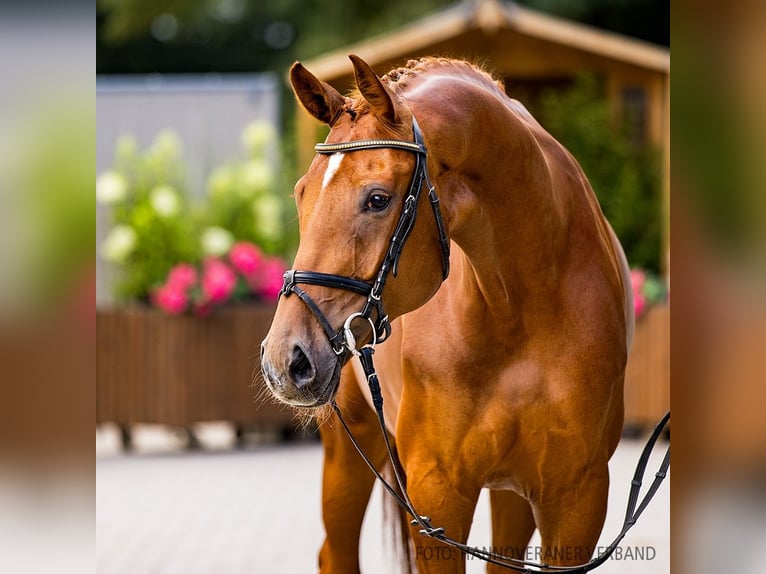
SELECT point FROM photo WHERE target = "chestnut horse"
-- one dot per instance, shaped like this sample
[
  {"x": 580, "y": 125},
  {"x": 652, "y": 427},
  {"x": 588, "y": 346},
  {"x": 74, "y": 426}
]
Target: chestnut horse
[{"x": 507, "y": 374}]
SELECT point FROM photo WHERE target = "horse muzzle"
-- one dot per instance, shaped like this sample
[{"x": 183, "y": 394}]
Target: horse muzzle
[{"x": 300, "y": 374}]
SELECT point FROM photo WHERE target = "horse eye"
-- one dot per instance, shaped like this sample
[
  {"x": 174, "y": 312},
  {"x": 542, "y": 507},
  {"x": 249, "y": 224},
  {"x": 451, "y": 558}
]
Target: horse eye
[{"x": 377, "y": 202}]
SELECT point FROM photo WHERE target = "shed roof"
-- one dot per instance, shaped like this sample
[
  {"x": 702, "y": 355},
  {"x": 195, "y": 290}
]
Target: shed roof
[{"x": 491, "y": 19}]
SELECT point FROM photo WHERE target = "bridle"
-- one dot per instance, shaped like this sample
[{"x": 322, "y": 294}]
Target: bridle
[{"x": 342, "y": 340}]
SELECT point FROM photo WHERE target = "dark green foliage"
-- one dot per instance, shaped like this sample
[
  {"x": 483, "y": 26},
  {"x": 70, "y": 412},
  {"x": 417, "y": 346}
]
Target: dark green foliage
[
  {"x": 645, "y": 19},
  {"x": 142, "y": 36},
  {"x": 625, "y": 175}
]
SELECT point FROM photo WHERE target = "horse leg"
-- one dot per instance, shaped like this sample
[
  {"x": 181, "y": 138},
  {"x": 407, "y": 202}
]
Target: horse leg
[
  {"x": 347, "y": 482},
  {"x": 570, "y": 519},
  {"x": 450, "y": 506},
  {"x": 512, "y": 526}
]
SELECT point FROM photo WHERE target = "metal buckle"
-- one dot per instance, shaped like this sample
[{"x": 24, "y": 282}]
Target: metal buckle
[
  {"x": 288, "y": 282},
  {"x": 348, "y": 337}
]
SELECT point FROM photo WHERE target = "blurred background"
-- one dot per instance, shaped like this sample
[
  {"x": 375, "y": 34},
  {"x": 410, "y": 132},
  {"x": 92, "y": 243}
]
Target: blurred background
[
  {"x": 198, "y": 145},
  {"x": 200, "y": 140}
]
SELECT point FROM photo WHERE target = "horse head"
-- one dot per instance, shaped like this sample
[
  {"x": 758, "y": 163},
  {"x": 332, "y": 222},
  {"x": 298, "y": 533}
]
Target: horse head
[{"x": 352, "y": 205}]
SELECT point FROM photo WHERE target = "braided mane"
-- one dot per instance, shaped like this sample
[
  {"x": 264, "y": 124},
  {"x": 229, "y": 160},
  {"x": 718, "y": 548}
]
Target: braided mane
[{"x": 399, "y": 79}]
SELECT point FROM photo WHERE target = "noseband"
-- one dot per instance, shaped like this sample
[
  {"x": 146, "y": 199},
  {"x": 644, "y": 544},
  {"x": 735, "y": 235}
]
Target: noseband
[{"x": 342, "y": 340}]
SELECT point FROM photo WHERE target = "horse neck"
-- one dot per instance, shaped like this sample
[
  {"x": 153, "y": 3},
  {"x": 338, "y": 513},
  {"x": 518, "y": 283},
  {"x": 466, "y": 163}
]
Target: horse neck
[{"x": 504, "y": 211}]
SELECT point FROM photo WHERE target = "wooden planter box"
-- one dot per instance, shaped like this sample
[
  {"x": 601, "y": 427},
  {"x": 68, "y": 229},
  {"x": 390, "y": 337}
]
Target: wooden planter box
[
  {"x": 154, "y": 368},
  {"x": 647, "y": 378}
]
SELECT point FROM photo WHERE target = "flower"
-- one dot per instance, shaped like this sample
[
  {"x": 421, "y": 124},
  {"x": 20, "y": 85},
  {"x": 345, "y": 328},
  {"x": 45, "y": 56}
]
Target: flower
[
  {"x": 639, "y": 304},
  {"x": 111, "y": 188},
  {"x": 220, "y": 181},
  {"x": 218, "y": 281},
  {"x": 126, "y": 149},
  {"x": 166, "y": 146},
  {"x": 257, "y": 135},
  {"x": 271, "y": 280},
  {"x": 246, "y": 258},
  {"x": 119, "y": 244},
  {"x": 171, "y": 299},
  {"x": 182, "y": 276},
  {"x": 255, "y": 175},
  {"x": 216, "y": 241},
  {"x": 165, "y": 201},
  {"x": 189, "y": 255},
  {"x": 244, "y": 273},
  {"x": 637, "y": 279},
  {"x": 173, "y": 296},
  {"x": 267, "y": 211},
  {"x": 202, "y": 308},
  {"x": 648, "y": 289}
]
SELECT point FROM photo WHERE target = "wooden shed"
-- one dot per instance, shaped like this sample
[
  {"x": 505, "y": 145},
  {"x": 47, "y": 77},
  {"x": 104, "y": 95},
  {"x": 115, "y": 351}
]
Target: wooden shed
[{"x": 530, "y": 50}]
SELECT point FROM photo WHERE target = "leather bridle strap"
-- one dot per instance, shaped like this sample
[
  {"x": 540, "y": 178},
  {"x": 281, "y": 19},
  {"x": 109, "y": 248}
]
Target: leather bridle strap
[
  {"x": 390, "y": 264},
  {"x": 290, "y": 285}
]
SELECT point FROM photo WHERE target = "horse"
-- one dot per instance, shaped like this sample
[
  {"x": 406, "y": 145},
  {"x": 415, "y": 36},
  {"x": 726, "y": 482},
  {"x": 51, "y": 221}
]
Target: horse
[{"x": 505, "y": 349}]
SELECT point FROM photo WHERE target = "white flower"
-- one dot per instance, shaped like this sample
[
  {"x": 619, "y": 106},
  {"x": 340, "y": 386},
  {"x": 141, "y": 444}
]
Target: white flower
[
  {"x": 119, "y": 244},
  {"x": 267, "y": 211},
  {"x": 111, "y": 187},
  {"x": 254, "y": 176},
  {"x": 166, "y": 146},
  {"x": 220, "y": 181},
  {"x": 216, "y": 241},
  {"x": 126, "y": 148},
  {"x": 257, "y": 135},
  {"x": 165, "y": 201}
]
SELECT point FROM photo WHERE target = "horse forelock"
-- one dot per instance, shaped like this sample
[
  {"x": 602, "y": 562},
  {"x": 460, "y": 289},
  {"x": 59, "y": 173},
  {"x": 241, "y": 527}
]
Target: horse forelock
[{"x": 400, "y": 79}]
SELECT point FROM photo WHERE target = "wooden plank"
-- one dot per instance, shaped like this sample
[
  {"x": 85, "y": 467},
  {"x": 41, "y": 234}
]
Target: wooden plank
[
  {"x": 153, "y": 368},
  {"x": 647, "y": 376}
]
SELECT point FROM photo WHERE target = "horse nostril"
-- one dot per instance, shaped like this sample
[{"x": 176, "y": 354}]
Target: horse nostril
[{"x": 301, "y": 369}]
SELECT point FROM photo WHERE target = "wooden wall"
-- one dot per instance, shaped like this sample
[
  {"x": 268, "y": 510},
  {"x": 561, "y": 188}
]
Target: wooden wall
[
  {"x": 153, "y": 368},
  {"x": 647, "y": 378}
]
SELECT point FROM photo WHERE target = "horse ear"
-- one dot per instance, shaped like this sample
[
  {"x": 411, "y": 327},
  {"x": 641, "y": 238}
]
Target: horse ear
[
  {"x": 380, "y": 98},
  {"x": 319, "y": 98}
]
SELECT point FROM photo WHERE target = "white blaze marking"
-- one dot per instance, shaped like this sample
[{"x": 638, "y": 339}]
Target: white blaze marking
[{"x": 332, "y": 167}]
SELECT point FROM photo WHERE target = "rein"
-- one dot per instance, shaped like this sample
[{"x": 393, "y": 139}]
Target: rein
[
  {"x": 632, "y": 513},
  {"x": 343, "y": 342}
]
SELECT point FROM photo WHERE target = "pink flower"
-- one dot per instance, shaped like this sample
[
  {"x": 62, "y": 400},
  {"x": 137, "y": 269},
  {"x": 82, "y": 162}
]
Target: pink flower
[
  {"x": 218, "y": 281},
  {"x": 639, "y": 304},
  {"x": 202, "y": 308},
  {"x": 637, "y": 280},
  {"x": 270, "y": 281},
  {"x": 182, "y": 276},
  {"x": 246, "y": 258},
  {"x": 170, "y": 299}
]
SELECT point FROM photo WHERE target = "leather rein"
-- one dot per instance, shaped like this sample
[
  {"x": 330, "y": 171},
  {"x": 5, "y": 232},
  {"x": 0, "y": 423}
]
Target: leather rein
[{"x": 343, "y": 342}]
